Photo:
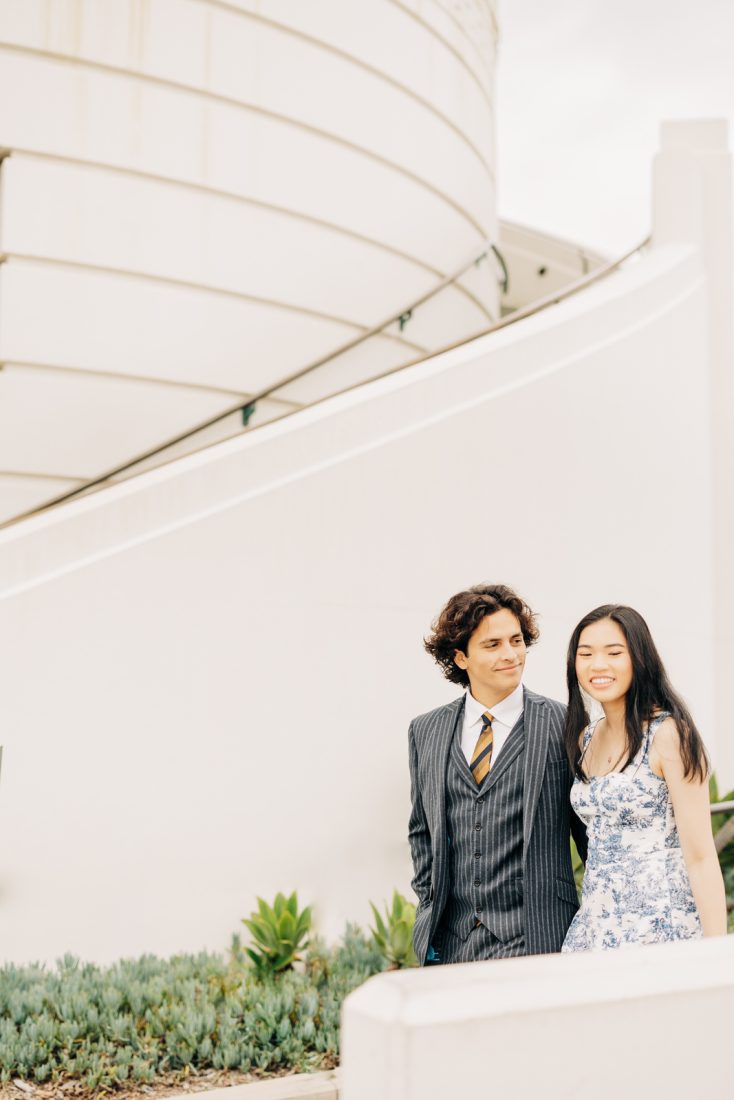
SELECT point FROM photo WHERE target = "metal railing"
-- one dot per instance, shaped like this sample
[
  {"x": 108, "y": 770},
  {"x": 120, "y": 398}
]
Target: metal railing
[
  {"x": 396, "y": 318},
  {"x": 400, "y": 318}
]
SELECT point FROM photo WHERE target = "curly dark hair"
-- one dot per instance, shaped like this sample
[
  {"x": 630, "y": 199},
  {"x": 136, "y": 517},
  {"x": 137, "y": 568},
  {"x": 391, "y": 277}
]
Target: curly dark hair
[{"x": 462, "y": 615}]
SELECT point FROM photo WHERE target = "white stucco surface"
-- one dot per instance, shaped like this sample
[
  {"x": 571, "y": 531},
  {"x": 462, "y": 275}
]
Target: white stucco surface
[{"x": 651, "y": 1021}]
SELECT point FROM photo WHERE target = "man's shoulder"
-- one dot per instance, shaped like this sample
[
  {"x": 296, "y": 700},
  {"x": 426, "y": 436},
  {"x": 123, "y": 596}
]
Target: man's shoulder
[
  {"x": 438, "y": 714},
  {"x": 556, "y": 708}
]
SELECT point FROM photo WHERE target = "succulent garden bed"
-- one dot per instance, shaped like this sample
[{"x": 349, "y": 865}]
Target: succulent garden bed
[
  {"x": 151, "y": 1027},
  {"x": 171, "y": 1084}
]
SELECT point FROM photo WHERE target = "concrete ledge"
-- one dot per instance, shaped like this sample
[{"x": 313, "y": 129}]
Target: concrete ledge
[
  {"x": 316, "y": 1086},
  {"x": 649, "y": 1021}
]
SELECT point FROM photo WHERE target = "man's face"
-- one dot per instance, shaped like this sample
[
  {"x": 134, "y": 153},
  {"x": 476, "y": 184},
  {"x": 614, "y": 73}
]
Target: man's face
[{"x": 495, "y": 657}]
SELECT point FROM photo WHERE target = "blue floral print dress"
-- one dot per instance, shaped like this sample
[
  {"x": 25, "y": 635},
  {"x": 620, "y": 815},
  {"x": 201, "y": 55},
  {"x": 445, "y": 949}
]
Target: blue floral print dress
[{"x": 636, "y": 888}]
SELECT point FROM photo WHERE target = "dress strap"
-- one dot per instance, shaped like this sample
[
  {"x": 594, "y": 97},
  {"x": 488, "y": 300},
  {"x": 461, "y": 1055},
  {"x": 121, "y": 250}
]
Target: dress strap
[
  {"x": 652, "y": 728},
  {"x": 588, "y": 734}
]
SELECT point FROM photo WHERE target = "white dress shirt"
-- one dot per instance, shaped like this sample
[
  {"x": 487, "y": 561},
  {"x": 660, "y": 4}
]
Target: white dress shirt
[{"x": 505, "y": 714}]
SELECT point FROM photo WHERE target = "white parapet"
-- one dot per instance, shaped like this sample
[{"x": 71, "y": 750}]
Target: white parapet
[{"x": 649, "y": 1022}]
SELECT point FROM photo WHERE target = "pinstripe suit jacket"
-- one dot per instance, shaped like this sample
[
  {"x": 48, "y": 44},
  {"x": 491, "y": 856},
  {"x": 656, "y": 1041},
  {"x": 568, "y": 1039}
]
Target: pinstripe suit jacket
[{"x": 549, "y": 892}]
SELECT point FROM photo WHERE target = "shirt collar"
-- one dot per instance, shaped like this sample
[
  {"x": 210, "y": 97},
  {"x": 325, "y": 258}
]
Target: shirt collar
[{"x": 507, "y": 711}]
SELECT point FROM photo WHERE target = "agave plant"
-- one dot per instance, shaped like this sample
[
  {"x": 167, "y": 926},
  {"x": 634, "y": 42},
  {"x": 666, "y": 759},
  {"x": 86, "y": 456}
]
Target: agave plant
[
  {"x": 722, "y": 825},
  {"x": 394, "y": 935},
  {"x": 278, "y": 931}
]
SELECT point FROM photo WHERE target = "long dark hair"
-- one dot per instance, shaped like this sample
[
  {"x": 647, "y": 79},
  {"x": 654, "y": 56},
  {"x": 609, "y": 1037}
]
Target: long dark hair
[{"x": 649, "y": 692}]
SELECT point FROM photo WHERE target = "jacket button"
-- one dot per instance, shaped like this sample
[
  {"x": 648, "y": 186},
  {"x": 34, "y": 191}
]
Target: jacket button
[
  {"x": 478, "y": 825},
  {"x": 480, "y": 800},
  {"x": 477, "y": 882}
]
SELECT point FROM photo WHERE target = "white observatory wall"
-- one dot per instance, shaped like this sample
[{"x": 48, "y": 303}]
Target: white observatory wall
[
  {"x": 198, "y": 198},
  {"x": 209, "y": 671}
]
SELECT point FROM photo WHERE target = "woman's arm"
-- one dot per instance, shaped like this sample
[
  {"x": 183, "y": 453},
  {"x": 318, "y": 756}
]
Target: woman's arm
[{"x": 690, "y": 799}]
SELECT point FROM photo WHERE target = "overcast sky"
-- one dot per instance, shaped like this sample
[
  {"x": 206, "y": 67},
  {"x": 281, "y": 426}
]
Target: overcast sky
[{"x": 582, "y": 88}]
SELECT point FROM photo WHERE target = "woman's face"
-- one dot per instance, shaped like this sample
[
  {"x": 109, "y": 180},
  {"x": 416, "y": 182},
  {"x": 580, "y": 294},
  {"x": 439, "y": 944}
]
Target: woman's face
[{"x": 603, "y": 662}]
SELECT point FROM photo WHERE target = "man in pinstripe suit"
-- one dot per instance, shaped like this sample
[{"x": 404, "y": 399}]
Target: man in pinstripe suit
[{"x": 490, "y": 819}]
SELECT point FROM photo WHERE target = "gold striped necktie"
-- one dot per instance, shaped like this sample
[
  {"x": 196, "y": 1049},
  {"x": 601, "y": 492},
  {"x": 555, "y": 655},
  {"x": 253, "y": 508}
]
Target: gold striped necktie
[{"x": 482, "y": 757}]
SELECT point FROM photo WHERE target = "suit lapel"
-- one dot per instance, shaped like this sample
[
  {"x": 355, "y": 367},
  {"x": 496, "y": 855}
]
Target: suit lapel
[
  {"x": 456, "y": 755},
  {"x": 510, "y": 752},
  {"x": 537, "y": 718}
]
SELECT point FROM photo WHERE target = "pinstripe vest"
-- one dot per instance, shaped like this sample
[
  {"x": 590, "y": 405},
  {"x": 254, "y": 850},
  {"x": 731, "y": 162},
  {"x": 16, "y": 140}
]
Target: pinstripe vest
[{"x": 485, "y": 841}]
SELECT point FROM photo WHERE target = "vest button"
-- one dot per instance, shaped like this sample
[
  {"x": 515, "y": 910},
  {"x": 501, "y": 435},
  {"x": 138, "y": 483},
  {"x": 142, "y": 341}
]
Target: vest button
[{"x": 477, "y": 882}]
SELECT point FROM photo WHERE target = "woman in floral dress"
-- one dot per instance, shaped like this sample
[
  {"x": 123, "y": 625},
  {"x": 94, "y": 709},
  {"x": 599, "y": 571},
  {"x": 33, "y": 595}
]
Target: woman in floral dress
[{"x": 640, "y": 787}]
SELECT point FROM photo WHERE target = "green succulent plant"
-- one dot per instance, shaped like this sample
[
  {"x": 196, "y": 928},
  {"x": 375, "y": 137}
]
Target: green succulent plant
[
  {"x": 723, "y": 827},
  {"x": 147, "y": 1021},
  {"x": 278, "y": 931},
  {"x": 394, "y": 935}
]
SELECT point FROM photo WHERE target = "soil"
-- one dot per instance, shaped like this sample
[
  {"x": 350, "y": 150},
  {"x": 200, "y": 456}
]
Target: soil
[{"x": 169, "y": 1085}]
